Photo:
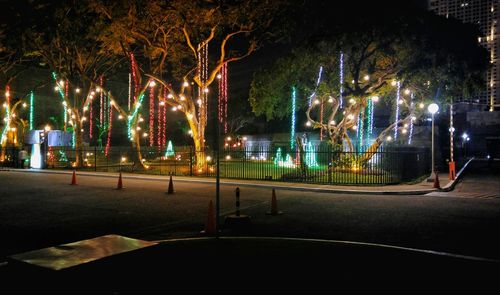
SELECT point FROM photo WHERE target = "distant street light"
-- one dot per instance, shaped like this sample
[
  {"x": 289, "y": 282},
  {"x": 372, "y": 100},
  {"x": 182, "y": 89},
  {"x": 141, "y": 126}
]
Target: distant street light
[{"x": 433, "y": 109}]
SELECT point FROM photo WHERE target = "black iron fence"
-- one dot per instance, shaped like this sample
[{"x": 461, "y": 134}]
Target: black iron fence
[{"x": 388, "y": 165}]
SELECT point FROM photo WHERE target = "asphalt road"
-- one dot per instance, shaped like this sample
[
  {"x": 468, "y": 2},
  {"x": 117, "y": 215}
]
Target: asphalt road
[{"x": 40, "y": 210}]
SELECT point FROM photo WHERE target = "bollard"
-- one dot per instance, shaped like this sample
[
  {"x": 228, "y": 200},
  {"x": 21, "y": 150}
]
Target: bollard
[{"x": 237, "y": 221}]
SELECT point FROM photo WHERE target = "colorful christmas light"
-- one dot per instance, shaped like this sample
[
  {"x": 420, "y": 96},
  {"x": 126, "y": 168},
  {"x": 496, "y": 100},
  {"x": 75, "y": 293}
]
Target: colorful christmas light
[
  {"x": 222, "y": 114},
  {"x": 411, "y": 120},
  {"x": 341, "y": 78},
  {"x": 311, "y": 156},
  {"x": 398, "y": 97},
  {"x": 294, "y": 106},
  {"x": 170, "y": 150},
  {"x": 151, "y": 116},
  {"x": 32, "y": 108}
]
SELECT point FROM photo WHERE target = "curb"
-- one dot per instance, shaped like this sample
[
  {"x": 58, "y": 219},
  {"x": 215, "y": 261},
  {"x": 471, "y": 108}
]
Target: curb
[
  {"x": 280, "y": 185},
  {"x": 451, "y": 185}
]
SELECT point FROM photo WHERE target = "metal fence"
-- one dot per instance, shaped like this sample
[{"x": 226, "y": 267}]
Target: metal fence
[{"x": 388, "y": 165}]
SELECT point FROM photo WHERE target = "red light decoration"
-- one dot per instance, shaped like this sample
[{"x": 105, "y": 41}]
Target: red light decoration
[
  {"x": 151, "y": 116},
  {"x": 110, "y": 126}
]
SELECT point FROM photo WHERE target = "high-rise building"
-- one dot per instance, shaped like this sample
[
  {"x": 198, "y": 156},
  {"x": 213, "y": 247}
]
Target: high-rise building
[{"x": 484, "y": 14}]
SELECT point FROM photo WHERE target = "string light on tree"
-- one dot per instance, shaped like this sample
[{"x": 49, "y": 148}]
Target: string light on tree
[
  {"x": 398, "y": 97},
  {"x": 294, "y": 105}
]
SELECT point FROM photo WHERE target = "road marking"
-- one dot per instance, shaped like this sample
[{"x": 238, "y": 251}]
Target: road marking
[{"x": 426, "y": 251}]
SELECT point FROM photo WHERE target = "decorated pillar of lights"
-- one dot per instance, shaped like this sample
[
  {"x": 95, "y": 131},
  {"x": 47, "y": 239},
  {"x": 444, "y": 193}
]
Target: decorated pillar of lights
[
  {"x": 412, "y": 105},
  {"x": 341, "y": 79},
  {"x": 151, "y": 113},
  {"x": 32, "y": 109},
  {"x": 398, "y": 97},
  {"x": 292, "y": 127},
  {"x": 222, "y": 112}
]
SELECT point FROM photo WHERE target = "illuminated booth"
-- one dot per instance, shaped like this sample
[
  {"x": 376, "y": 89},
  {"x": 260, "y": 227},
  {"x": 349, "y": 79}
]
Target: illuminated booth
[{"x": 41, "y": 140}]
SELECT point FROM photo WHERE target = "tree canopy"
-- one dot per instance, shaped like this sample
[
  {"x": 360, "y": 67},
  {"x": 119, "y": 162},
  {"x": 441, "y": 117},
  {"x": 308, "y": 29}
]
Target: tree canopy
[{"x": 379, "y": 46}]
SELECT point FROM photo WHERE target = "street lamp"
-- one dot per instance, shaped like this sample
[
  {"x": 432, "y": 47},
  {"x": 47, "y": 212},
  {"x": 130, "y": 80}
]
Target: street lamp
[{"x": 432, "y": 108}]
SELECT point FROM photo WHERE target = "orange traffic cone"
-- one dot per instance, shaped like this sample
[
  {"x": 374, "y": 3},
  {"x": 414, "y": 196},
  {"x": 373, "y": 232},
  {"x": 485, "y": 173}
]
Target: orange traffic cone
[
  {"x": 274, "y": 205},
  {"x": 73, "y": 179},
  {"x": 170, "y": 186},
  {"x": 120, "y": 183},
  {"x": 210, "y": 222},
  {"x": 436, "y": 180}
]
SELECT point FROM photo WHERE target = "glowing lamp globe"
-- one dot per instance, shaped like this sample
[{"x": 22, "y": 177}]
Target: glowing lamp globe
[{"x": 433, "y": 108}]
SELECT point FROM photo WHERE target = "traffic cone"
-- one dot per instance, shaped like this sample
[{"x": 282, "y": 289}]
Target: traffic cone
[
  {"x": 120, "y": 184},
  {"x": 274, "y": 205},
  {"x": 210, "y": 222},
  {"x": 436, "y": 180},
  {"x": 73, "y": 179},
  {"x": 170, "y": 186}
]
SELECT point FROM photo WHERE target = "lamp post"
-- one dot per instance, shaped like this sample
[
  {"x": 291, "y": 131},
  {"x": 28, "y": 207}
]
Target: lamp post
[{"x": 432, "y": 108}]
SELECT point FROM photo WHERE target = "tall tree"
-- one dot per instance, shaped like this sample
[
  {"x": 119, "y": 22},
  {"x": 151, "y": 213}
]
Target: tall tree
[
  {"x": 62, "y": 36},
  {"x": 182, "y": 45},
  {"x": 379, "y": 57}
]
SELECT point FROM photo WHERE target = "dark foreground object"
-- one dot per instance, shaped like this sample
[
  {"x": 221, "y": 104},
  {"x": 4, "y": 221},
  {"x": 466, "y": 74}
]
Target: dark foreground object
[{"x": 254, "y": 261}]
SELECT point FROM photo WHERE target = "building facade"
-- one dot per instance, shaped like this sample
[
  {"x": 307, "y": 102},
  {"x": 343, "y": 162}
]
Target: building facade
[{"x": 484, "y": 14}]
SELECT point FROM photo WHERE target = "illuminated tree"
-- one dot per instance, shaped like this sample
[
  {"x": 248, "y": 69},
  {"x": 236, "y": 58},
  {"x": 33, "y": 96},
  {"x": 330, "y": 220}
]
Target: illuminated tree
[
  {"x": 173, "y": 40},
  {"x": 402, "y": 62},
  {"x": 62, "y": 36}
]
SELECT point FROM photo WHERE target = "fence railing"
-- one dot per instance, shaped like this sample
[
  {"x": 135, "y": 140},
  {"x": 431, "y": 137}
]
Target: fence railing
[{"x": 320, "y": 166}]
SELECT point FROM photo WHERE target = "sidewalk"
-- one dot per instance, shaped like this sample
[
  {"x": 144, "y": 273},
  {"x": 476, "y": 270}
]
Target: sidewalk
[{"x": 421, "y": 188}]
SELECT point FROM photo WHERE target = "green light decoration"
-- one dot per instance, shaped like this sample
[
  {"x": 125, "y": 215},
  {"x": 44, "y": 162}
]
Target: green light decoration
[
  {"x": 170, "y": 150},
  {"x": 311, "y": 156},
  {"x": 292, "y": 132},
  {"x": 289, "y": 163},
  {"x": 278, "y": 160},
  {"x": 360, "y": 131},
  {"x": 130, "y": 119},
  {"x": 279, "y": 157},
  {"x": 32, "y": 102},
  {"x": 63, "y": 157}
]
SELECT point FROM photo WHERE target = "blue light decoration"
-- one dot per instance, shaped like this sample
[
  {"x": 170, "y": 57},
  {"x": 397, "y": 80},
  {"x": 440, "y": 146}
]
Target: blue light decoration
[
  {"x": 398, "y": 97},
  {"x": 294, "y": 105},
  {"x": 32, "y": 107},
  {"x": 318, "y": 80},
  {"x": 311, "y": 156},
  {"x": 341, "y": 78},
  {"x": 360, "y": 131},
  {"x": 411, "y": 118},
  {"x": 170, "y": 150}
]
